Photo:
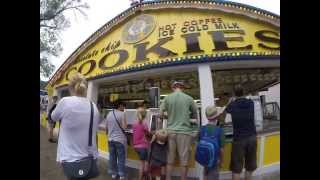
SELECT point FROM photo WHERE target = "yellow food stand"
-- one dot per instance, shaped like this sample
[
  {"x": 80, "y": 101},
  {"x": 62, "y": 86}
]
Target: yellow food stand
[{"x": 211, "y": 45}]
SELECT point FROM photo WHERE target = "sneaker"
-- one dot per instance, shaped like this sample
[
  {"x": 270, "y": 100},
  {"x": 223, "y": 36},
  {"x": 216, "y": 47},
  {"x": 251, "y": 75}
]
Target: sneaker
[
  {"x": 114, "y": 176},
  {"x": 122, "y": 178}
]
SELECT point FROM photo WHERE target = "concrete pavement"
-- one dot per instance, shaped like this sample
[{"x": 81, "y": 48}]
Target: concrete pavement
[{"x": 50, "y": 170}]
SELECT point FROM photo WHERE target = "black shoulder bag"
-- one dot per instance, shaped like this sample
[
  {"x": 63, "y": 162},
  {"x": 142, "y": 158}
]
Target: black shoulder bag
[
  {"x": 85, "y": 167},
  {"x": 124, "y": 133}
]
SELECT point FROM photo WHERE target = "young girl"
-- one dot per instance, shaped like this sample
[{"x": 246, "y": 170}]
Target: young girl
[
  {"x": 158, "y": 155},
  {"x": 140, "y": 143}
]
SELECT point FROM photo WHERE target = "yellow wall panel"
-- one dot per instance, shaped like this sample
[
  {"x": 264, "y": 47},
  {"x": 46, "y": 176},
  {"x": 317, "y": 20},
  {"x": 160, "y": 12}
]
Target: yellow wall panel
[
  {"x": 102, "y": 141},
  {"x": 272, "y": 149},
  {"x": 44, "y": 119}
]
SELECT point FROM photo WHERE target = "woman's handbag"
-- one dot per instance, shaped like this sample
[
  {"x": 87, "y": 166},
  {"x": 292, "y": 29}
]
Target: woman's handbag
[
  {"x": 86, "y": 167},
  {"x": 127, "y": 135}
]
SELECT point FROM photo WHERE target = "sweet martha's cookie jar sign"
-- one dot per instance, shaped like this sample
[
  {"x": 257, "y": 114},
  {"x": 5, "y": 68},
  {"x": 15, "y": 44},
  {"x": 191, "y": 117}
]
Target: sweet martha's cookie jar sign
[{"x": 148, "y": 38}]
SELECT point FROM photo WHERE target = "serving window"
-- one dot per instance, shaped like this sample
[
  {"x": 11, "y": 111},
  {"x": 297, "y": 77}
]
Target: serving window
[
  {"x": 255, "y": 83},
  {"x": 136, "y": 91}
]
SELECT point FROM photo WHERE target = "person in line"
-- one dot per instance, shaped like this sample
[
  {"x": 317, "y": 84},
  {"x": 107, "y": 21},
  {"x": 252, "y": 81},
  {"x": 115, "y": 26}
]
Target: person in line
[
  {"x": 52, "y": 124},
  {"x": 140, "y": 143},
  {"x": 117, "y": 142},
  {"x": 179, "y": 107},
  {"x": 74, "y": 112},
  {"x": 158, "y": 154},
  {"x": 244, "y": 145},
  {"x": 212, "y": 173}
]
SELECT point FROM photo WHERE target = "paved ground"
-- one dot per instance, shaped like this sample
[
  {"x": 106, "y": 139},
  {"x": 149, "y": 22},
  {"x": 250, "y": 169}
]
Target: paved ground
[{"x": 50, "y": 170}]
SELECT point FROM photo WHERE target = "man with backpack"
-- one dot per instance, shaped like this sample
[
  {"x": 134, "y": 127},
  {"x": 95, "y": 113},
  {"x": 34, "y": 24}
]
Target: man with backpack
[
  {"x": 209, "y": 151},
  {"x": 179, "y": 107},
  {"x": 244, "y": 145}
]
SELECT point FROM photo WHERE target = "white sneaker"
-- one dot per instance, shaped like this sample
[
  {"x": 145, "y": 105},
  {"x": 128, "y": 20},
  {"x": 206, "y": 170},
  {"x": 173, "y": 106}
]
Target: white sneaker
[{"x": 114, "y": 176}]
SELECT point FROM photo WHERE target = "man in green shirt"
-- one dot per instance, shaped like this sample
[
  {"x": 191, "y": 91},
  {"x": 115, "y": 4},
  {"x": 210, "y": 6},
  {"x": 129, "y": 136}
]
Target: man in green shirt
[{"x": 180, "y": 108}]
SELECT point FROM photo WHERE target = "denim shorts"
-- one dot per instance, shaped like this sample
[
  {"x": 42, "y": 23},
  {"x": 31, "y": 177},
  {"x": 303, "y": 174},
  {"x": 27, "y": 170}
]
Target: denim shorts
[{"x": 142, "y": 153}]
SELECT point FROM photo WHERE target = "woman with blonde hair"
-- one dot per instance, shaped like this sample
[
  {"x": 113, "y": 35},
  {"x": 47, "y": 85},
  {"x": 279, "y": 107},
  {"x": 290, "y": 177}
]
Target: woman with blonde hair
[{"x": 77, "y": 149}]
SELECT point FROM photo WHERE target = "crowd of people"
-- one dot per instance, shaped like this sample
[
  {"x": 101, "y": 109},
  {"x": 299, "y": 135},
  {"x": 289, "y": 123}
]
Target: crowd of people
[{"x": 79, "y": 120}]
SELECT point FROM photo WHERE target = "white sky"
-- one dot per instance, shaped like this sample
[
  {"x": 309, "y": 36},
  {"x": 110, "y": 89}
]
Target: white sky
[{"x": 101, "y": 11}]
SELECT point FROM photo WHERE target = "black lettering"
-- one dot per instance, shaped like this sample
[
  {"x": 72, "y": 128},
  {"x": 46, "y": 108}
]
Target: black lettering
[
  {"x": 220, "y": 41},
  {"x": 198, "y": 28},
  {"x": 123, "y": 55},
  {"x": 168, "y": 27},
  {"x": 193, "y": 22},
  {"x": 207, "y": 21},
  {"x": 92, "y": 66},
  {"x": 68, "y": 72},
  {"x": 191, "y": 28},
  {"x": 205, "y": 27},
  {"x": 165, "y": 33},
  {"x": 118, "y": 44},
  {"x": 108, "y": 47},
  {"x": 262, "y": 36},
  {"x": 192, "y": 43},
  {"x": 142, "y": 51},
  {"x": 160, "y": 30},
  {"x": 171, "y": 32},
  {"x": 229, "y": 26},
  {"x": 235, "y": 25},
  {"x": 186, "y": 23},
  {"x": 219, "y": 26},
  {"x": 225, "y": 27},
  {"x": 184, "y": 30}
]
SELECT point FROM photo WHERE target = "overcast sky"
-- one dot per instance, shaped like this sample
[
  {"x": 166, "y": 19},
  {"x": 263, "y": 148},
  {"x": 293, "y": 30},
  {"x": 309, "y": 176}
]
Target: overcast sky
[{"x": 101, "y": 11}]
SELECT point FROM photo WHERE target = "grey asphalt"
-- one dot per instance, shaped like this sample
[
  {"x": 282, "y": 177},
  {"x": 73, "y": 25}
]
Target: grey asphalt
[{"x": 50, "y": 170}]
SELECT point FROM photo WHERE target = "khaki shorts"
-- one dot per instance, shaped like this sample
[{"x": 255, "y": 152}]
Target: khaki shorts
[{"x": 180, "y": 143}]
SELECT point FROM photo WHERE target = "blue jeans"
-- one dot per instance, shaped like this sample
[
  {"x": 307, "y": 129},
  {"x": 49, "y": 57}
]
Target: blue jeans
[{"x": 117, "y": 158}]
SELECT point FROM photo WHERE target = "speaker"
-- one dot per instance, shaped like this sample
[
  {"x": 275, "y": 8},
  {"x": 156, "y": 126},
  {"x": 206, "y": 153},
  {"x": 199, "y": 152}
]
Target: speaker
[{"x": 154, "y": 97}]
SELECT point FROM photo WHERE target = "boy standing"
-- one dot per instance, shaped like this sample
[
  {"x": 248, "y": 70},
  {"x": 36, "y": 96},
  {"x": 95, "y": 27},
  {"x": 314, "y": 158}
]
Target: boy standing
[{"x": 211, "y": 130}]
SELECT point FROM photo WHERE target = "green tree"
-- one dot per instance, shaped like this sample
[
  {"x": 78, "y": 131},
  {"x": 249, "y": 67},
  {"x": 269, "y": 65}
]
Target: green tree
[
  {"x": 52, "y": 22},
  {"x": 43, "y": 84}
]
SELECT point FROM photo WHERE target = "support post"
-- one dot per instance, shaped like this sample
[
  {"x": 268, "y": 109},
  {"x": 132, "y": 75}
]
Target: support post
[
  {"x": 206, "y": 89},
  {"x": 92, "y": 92},
  {"x": 206, "y": 97}
]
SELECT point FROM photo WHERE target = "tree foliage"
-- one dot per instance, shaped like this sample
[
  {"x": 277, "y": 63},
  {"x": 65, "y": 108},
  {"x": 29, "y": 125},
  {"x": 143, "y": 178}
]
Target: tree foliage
[{"x": 52, "y": 22}]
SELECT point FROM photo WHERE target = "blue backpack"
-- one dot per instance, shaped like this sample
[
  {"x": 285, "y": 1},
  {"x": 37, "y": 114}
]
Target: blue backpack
[{"x": 208, "y": 148}]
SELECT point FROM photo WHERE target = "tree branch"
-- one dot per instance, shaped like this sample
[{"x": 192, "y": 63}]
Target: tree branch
[
  {"x": 47, "y": 26},
  {"x": 61, "y": 11}
]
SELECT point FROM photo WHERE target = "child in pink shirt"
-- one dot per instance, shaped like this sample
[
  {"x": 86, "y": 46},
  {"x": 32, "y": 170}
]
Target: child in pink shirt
[{"x": 140, "y": 143}]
